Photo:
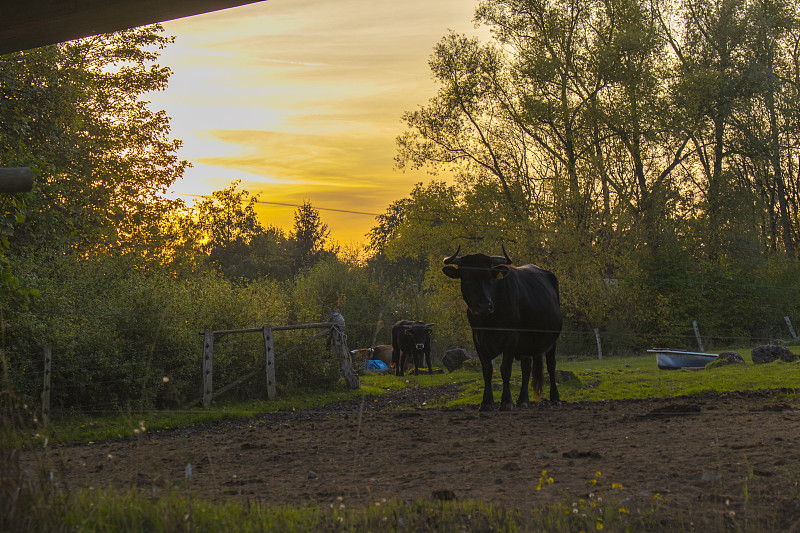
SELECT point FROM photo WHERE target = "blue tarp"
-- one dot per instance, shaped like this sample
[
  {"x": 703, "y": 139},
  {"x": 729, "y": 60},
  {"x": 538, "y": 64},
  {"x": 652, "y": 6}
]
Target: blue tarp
[{"x": 374, "y": 364}]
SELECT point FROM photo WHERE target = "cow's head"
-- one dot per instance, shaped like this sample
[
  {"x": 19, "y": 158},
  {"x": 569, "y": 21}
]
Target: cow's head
[
  {"x": 477, "y": 273},
  {"x": 419, "y": 333}
]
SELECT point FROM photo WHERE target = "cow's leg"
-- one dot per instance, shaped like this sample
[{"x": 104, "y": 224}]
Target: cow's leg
[
  {"x": 551, "y": 371},
  {"x": 506, "y": 404},
  {"x": 402, "y": 364},
  {"x": 428, "y": 357},
  {"x": 416, "y": 363},
  {"x": 488, "y": 396},
  {"x": 537, "y": 373},
  {"x": 523, "y": 399}
]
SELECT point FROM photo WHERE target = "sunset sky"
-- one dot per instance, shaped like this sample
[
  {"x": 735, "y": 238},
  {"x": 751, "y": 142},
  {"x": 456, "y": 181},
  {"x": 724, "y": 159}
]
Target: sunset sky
[{"x": 302, "y": 100}]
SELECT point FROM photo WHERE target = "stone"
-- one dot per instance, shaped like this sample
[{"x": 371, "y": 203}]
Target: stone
[
  {"x": 565, "y": 376},
  {"x": 473, "y": 364},
  {"x": 454, "y": 359},
  {"x": 772, "y": 352},
  {"x": 727, "y": 358},
  {"x": 444, "y": 495}
]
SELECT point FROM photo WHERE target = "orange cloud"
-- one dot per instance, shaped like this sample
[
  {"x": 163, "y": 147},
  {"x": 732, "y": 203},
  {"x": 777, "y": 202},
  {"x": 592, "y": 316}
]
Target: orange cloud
[{"x": 302, "y": 100}]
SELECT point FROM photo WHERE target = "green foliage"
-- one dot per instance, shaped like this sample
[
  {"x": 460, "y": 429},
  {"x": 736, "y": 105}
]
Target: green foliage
[
  {"x": 12, "y": 212},
  {"x": 125, "y": 335},
  {"x": 331, "y": 284},
  {"x": 102, "y": 157}
]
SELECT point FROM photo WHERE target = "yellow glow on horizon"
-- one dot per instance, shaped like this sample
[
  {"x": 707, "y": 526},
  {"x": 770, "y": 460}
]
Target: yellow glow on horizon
[{"x": 302, "y": 100}]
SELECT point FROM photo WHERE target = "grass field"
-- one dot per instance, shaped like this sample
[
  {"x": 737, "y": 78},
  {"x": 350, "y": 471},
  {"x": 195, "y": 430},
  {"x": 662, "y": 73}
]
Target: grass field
[{"x": 30, "y": 503}]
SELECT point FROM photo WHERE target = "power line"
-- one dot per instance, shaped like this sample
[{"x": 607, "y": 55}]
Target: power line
[
  {"x": 555, "y": 232},
  {"x": 287, "y": 204},
  {"x": 320, "y": 208}
]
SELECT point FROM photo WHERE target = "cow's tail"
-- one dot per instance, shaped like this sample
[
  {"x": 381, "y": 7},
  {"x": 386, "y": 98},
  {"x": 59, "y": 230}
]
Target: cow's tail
[{"x": 537, "y": 378}]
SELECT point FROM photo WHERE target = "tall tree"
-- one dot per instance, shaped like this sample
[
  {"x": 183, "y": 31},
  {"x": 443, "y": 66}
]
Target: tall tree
[
  {"x": 388, "y": 224},
  {"x": 552, "y": 82},
  {"x": 309, "y": 235},
  {"x": 708, "y": 42},
  {"x": 771, "y": 118}
]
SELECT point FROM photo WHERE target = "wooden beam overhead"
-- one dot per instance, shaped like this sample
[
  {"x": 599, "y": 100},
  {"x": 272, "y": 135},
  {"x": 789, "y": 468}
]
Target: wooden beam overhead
[{"x": 26, "y": 24}]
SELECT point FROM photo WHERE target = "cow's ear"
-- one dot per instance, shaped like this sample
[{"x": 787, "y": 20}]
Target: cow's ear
[
  {"x": 500, "y": 271},
  {"x": 451, "y": 271}
]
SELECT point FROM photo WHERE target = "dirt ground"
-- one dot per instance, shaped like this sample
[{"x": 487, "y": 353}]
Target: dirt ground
[{"x": 702, "y": 457}]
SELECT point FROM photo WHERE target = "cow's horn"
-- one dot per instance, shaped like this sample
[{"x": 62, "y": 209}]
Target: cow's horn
[
  {"x": 508, "y": 259},
  {"x": 504, "y": 260},
  {"x": 453, "y": 259}
]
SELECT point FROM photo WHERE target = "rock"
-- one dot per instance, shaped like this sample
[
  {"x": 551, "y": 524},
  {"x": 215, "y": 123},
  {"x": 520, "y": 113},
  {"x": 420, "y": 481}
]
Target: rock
[
  {"x": 628, "y": 502},
  {"x": 444, "y": 495},
  {"x": 473, "y": 364},
  {"x": 575, "y": 454},
  {"x": 772, "y": 352},
  {"x": 565, "y": 376},
  {"x": 311, "y": 475},
  {"x": 789, "y": 514},
  {"x": 727, "y": 358},
  {"x": 454, "y": 359}
]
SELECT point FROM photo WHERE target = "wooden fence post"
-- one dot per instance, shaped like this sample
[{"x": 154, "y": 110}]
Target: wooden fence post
[
  {"x": 697, "y": 334},
  {"x": 791, "y": 329},
  {"x": 46, "y": 390},
  {"x": 339, "y": 347},
  {"x": 269, "y": 348},
  {"x": 599, "y": 348},
  {"x": 208, "y": 348}
]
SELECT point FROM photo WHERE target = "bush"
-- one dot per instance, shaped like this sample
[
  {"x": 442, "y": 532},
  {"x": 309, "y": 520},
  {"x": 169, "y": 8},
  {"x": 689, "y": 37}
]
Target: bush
[{"x": 127, "y": 336}]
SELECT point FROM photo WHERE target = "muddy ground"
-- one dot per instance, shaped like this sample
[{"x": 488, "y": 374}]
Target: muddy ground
[{"x": 703, "y": 457}]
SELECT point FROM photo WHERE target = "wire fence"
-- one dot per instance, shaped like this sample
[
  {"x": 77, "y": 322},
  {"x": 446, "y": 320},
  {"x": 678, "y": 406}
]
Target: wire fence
[{"x": 133, "y": 380}]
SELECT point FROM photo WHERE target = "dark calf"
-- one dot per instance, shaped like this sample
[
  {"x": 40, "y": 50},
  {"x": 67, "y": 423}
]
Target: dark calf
[{"x": 411, "y": 340}]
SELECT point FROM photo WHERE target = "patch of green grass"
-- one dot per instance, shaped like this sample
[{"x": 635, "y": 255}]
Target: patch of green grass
[
  {"x": 88, "y": 428},
  {"x": 639, "y": 377},
  {"x": 85, "y": 428},
  {"x": 620, "y": 378},
  {"x": 133, "y": 511}
]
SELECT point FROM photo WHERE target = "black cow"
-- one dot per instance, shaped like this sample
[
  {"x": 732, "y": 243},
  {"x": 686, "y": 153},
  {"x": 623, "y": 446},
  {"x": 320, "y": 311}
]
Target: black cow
[
  {"x": 514, "y": 311},
  {"x": 411, "y": 339}
]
